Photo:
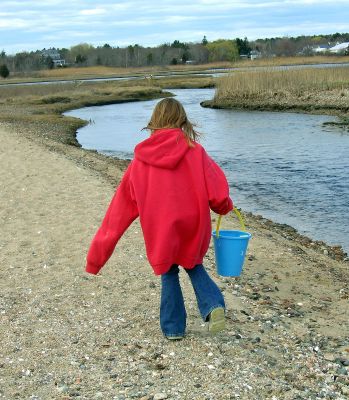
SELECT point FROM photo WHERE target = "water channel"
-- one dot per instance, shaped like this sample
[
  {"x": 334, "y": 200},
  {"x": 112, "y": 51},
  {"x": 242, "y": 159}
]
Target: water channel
[{"x": 285, "y": 166}]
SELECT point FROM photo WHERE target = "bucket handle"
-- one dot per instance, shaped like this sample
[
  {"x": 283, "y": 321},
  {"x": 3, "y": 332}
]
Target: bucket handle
[{"x": 237, "y": 212}]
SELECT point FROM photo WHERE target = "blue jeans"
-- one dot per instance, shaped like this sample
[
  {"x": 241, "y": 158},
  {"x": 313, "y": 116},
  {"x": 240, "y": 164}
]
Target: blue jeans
[{"x": 172, "y": 310}]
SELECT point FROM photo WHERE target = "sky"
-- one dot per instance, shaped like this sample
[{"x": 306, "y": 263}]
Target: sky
[{"x": 31, "y": 25}]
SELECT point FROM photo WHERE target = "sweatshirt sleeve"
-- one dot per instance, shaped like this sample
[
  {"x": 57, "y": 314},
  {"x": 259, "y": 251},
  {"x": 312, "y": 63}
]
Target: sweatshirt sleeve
[
  {"x": 121, "y": 212},
  {"x": 217, "y": 187}
]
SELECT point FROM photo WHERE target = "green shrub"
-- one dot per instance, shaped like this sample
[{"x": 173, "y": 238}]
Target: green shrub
[
  {"x": 4, "y": 71},
  {"x": 55, "y": 99}
]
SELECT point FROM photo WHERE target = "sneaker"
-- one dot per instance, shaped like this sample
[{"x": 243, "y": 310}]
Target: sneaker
[
  {"x": 174, "y": 337},
  {"x": 216, "y": 322}
]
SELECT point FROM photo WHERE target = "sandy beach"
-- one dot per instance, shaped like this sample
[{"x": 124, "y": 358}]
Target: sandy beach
[{"x": 65, "y": 334}]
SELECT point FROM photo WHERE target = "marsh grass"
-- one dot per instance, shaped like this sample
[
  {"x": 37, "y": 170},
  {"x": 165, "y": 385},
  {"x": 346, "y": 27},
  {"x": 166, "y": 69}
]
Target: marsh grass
[
  {"x": 102, "y": 71},
  {"x": 279, "y": 61},
  {"x": 271, "y": 82},
  {"x": 57, "y": 101},
  {"x": 52, "y": 92},
  {"x": 40, "y": 90},
  {"x": 185, "y": 82},
  {"x": 58, "y": 74}
]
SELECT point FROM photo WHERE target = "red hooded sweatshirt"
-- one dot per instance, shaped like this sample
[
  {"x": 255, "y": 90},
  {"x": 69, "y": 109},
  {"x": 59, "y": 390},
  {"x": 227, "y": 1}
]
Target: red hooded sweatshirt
[{"x": 171, "y": 187}]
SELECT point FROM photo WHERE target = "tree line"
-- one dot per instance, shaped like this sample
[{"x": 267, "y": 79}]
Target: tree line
[{"x": 85, "y": 54}]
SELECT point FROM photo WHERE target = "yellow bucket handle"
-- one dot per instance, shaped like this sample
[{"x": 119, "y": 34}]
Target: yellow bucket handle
[{"x": 237, "y": 212}]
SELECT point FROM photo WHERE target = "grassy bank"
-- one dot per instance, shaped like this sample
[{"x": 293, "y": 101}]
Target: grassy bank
[
  {"x": 43, "y": 105},
  {"x": 309, "y": 90}
]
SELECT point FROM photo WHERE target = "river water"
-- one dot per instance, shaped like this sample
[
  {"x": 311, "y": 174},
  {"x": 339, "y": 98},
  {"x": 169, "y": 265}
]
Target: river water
[{"x": 285, "y": 166}]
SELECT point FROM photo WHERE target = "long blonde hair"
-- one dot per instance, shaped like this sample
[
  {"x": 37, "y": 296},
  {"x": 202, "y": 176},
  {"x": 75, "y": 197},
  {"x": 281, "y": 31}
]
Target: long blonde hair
[{"x": 169, "y": 113}]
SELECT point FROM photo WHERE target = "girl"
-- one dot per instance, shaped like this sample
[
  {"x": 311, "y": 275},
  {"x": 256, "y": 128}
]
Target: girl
[{"x": 171, "y": 185}]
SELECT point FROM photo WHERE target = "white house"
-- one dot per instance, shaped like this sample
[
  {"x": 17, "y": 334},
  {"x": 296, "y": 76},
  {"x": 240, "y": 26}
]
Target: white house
[
  {"x": 254, "y": 54},
  {"x": 321, "y": 48},
  {"x": 55, "y": 57},
  {"x": 340, "y": 48}
]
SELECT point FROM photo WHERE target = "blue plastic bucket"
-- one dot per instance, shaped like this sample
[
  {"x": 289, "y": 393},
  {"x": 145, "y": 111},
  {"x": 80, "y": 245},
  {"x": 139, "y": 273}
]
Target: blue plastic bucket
[{"x": 230, "y": 250}]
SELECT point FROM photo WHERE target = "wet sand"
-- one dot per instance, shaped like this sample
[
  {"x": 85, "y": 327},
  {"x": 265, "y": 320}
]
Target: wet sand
[{"x": 67, "y": 334}]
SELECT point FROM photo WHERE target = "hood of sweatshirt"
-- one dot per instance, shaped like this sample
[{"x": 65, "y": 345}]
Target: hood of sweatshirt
[{"x": 165, "y": 148}]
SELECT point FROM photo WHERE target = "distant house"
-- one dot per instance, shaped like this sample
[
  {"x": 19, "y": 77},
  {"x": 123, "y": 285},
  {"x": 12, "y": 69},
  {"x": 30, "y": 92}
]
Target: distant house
[
  {"x": 55, "y": 57},
  {"x": 254, "y": 54},
  {"x": 321, "y": 48},
  {"x": 340, "y": 48}
]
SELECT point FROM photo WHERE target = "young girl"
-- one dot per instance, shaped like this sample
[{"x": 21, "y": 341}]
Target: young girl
[{"x": 171, "y": 185}]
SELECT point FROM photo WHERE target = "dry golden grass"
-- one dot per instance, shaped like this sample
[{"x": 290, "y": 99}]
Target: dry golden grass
[
  {"x": 56, "y": 98},
  {"x": 278, "y": 61},
  {"x": 38, "y": 90},
  {"x": 101, "y": 71},
  {"x": 83, "y": 87},
  {"x": 72, "y": 73},
  {"x": 271, "y": 81},
  {"x": 85, "y": 72}
]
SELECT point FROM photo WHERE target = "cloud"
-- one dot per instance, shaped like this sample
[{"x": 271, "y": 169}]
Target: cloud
[
  {"x": 93, "y": 11},
  {"x": 13, "y": 23},
  {"x": 73, "y": 34},
  {"x": 154, "y": 21},
  {"x": 123, "y": 22}
]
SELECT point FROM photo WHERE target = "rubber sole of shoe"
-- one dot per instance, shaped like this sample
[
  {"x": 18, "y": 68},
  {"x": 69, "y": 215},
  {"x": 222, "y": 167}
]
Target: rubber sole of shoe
[
  {"x": 216, "y": 322},
  {"x": 174, "y": 337}
]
